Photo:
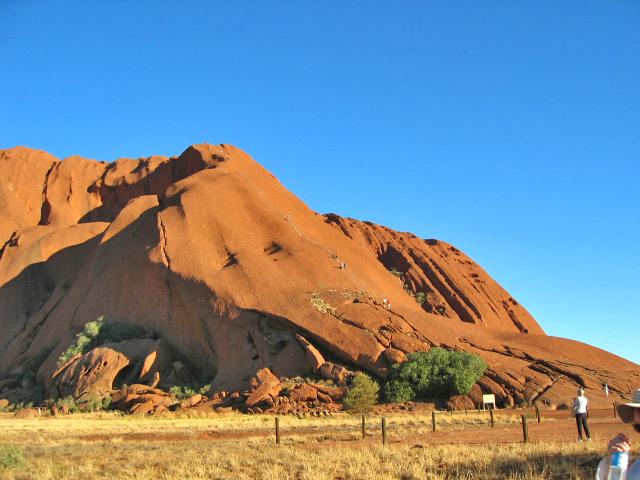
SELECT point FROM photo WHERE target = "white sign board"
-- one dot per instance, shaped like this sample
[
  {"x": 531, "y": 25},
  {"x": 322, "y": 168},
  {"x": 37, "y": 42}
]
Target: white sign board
[{"x": 489, "y": 399}]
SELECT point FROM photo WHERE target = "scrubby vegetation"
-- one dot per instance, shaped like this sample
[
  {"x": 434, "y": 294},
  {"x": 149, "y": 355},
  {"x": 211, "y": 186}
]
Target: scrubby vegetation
[
  {"x": 321, "y": 305},
  {"x": 438, "y": 373},
  {"x": 11, "y": 457},
  {"x": 395, "y": 272},
  {"x": 182, "y": 392},
  {"x": 99, "y": 332},
  {"x": 362, "y": 395}
]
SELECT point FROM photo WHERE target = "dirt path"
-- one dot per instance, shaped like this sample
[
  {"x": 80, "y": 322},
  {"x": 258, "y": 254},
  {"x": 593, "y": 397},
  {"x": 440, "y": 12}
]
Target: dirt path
[{"x": 558, "y": 430}]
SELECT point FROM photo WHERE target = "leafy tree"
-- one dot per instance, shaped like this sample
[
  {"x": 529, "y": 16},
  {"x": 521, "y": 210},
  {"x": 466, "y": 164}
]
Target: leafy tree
[
  {"x": 399, "y": 391},
  {"x": 438, "y": 373},
  {"x": 363, "y": 394}
]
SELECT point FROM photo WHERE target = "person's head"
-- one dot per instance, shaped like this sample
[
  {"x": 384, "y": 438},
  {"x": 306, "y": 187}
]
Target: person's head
[
  {"x": 580, "y": 392},
  {"x": 630, "y": 412}
]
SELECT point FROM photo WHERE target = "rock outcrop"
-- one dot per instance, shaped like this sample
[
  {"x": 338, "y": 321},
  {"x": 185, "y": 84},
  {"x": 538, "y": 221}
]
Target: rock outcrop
[{"x": 227, "y": 268}]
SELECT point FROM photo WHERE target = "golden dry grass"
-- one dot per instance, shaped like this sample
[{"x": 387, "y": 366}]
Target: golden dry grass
[{"x": 199, "y": 446}]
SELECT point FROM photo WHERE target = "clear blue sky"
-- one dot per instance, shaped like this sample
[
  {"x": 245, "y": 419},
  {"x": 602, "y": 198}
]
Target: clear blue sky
[{"x": 510, "y": 129}]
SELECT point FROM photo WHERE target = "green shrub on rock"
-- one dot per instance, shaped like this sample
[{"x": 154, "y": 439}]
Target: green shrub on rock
[
  {"x": 438, "y": 373},
  {"x": 362, "y": 395},
  {"x": 99, "y": 332}
]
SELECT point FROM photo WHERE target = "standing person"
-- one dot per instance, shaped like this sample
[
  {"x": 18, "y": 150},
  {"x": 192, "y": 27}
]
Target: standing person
[
  {"x": 606, "y": 390},
  {"x": 628, "y": 413},
  {"x": 580, "y": 409}
]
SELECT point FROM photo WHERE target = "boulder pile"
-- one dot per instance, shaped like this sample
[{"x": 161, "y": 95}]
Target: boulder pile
[
  {"x": 269, "y": 394},
  {"x": 141, "y": 399}
]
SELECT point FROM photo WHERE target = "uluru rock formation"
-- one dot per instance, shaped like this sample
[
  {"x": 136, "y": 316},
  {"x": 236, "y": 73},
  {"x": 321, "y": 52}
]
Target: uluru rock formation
[{"x": 222, "y": 272}]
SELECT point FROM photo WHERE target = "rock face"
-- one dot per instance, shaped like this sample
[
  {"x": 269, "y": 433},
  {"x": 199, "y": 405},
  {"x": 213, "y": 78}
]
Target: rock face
[
  {"x": 90, "y": 376},
  {"x": 211, "y": 253}
]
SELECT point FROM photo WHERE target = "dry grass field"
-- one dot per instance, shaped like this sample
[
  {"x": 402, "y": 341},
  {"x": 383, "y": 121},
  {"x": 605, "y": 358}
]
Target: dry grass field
[{"x": 211, "y": 446}]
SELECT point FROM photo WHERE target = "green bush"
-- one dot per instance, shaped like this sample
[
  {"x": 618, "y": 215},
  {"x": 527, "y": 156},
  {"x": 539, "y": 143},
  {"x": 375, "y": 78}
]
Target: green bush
[
  {"x": 182, "y": 392},
  {"x": 112, "y": 331},
  {"x": 68, "y": 402},
  {"x": 20, "y": 406},
  {"x": 11, "y": 457},
  {"x": 420, "y": 297},
  {"x": 399, "y": 391},
  {"x": 99, "y": 332},
  {"x": 363, "y": 394},
  {"x": 438, "y": 373},
  {"x": 96, "y": 404}
]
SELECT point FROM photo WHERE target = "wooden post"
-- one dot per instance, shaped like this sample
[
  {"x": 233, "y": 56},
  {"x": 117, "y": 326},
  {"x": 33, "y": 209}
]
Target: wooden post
[
  {"x": 491, "y": 417},
  {"x": 384, "y": 431},
  {"x": 538, "y": 413},
  {"x": 364, "y": 434},
  {"x": 465, "y": 410},
  {"x": 433, "y": 420},
  {"x": 277, "y": 430},
  {"x": 525, "y": 430},
  {"x": 615, "y": 413}
]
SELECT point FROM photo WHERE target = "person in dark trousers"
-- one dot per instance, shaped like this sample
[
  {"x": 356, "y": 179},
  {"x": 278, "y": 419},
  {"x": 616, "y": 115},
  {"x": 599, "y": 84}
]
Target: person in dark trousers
[{"x": 581, "y": 411}]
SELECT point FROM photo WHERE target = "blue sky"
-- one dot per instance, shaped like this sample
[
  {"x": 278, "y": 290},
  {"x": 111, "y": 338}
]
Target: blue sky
[{"x": 510, "y": 129}]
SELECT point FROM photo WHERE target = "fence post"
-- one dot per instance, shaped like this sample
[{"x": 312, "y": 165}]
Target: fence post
[
  {"x": 277, "y": 430},
  {"x": 491, "y": 417},
  {"x": 363, "y": 427},
  {"x": 384, "y": 431},
  {"x": 538, "y": 413},
  {"x": 433, "y": 420},
  {"x": 525, "y": 429}
]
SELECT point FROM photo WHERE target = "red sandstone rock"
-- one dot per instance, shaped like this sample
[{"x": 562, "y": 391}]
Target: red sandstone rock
[
  {"x": 26, "y": 413},
  {"x": 336, "y": 393},
  {"x": 212, "y": 248},
  {"x": 91, "y": 375},
  {"x": 264, "y": 385},
  {"x": 314, "y": 357},
  {"x": 333, "y": 372},
  {"x": 460, "y": 402},
  {"x": 147, "y": 364},
  {"x": 155, "y": 380},
  {"x": 142, "y": 408},
  {"x": 476, "y": 395},
  {"x": 191, "y": 401},
  {"x": 395, "y": 356},
  {"x": 324, "y": 398},
  {"x": 303, "y": 393}
]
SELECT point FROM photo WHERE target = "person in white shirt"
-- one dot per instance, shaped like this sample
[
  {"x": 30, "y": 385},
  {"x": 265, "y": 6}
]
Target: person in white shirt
[
  {"x": 581, "y": 412},
  {"x": 628, "y": 413}
]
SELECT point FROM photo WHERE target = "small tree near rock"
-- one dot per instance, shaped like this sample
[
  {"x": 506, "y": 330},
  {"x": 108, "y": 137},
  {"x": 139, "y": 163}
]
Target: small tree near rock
[{"x": 363, "y": 394}]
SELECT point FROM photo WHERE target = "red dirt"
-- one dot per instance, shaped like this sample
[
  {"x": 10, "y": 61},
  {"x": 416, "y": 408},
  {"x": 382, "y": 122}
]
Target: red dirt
[{"x": 602, "y": 426}]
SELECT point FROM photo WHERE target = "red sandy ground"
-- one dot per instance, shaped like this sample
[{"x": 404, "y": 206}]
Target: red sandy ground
[{"x": 558, "y": 428}]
